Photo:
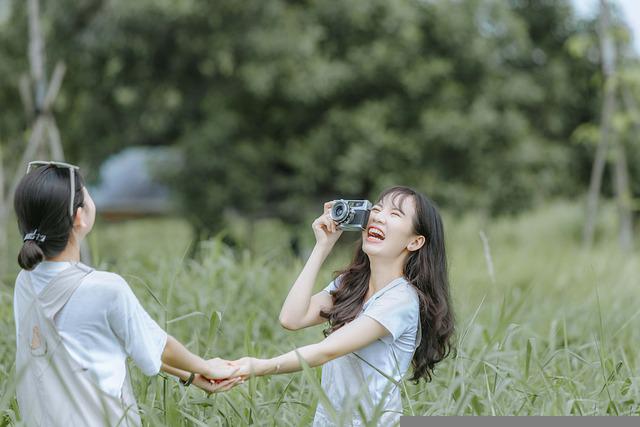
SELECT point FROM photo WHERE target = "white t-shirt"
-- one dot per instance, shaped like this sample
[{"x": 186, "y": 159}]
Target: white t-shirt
[
  {"x": 101, "y": 325},
  {"x": 353, "y": 379}
]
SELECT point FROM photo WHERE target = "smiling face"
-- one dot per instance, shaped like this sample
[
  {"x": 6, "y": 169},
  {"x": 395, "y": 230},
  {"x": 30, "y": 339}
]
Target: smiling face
[{"x": 390, "y": 231}]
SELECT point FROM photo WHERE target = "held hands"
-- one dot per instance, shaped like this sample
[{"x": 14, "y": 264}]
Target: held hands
[
  {"x": 249, "y": 366},
  {"x": 221, "y": 376},
  {"x": 238, "y": 370},
  {"x": 220, "y": 369},
  {"x": 242, "y": 368},
  {"x": 325, "y": 229},
  {"x": 215, "y": 386},
  {"x": 227, "y": 374}
]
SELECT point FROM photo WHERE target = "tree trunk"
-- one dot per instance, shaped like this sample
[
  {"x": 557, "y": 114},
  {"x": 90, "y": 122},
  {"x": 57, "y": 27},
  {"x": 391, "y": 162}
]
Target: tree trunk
[
  {"x": 623, "y": 197},
  {"x": 622, "y": 179},
  {"x": 36, "y": 54},
  {"x": 607, "y": 51}
]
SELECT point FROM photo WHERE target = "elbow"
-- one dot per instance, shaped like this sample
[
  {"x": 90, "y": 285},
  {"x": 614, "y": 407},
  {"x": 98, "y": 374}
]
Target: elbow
[
  {"x": 288, "y": 324},
  {"x": 150, "y": 370},
  {"x": 326, "y": 354}
]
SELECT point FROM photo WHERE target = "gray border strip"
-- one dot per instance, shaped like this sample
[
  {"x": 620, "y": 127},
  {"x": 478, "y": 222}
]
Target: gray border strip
[{"x": 542, "y": 421}]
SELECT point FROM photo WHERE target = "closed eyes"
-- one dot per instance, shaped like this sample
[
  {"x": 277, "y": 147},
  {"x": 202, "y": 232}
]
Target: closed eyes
[{"x": 396, "y": 211}]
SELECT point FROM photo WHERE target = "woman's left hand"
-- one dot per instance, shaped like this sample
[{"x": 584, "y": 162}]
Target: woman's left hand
[{"x": 216, "y": 386}]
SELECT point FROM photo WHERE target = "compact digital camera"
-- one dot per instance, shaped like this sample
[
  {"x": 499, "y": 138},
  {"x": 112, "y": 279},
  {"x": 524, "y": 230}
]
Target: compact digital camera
[{"x": 351, "y": 215}]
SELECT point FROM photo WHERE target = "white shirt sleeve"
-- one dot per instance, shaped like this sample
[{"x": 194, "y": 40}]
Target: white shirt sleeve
[
  {"x": 396, "y": 310},
  {"x": 333, "y": 285},
  {"x": 142, "y": 338}
]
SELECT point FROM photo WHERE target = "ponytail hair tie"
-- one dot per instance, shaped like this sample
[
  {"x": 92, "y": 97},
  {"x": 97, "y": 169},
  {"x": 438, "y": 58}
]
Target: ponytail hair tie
[{"x": 34, "y": 235}]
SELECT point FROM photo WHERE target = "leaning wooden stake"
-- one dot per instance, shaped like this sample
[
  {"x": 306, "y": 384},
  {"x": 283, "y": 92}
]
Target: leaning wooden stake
[{"x": 38, "y": 98}]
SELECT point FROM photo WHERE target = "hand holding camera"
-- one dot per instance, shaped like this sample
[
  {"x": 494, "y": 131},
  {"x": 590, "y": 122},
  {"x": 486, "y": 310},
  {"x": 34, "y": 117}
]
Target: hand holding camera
[
  {"x": 325, "y": 229},
  {"x": 340, "y": 215}
]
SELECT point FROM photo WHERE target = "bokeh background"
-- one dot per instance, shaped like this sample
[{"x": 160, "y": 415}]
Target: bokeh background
[{"x": 210, "y": 133}]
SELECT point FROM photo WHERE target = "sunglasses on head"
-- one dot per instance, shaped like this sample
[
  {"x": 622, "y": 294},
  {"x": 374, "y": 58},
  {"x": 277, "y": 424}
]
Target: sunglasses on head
[{"x": 60, "y": 165}]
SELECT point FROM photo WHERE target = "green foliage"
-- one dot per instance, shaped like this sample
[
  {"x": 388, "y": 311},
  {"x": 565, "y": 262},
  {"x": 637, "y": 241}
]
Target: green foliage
[
  {"x": 277, "y": 105},
  {"x": 552, "y": 335}
]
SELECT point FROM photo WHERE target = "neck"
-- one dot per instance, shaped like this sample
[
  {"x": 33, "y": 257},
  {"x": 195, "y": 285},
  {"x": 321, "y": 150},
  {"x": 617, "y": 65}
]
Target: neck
[
  {"x": 70, "y": 254},
  {"x": 383, "y": 271}
]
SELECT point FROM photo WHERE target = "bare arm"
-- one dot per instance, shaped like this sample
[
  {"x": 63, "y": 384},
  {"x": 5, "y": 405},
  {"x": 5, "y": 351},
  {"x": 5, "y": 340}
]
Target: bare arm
[
  {"x": 351, "y": 337},
  {"x": 177, "y": 356},
  {"x": 183, "y": 375},
  {"x": 300, "y": 308}
]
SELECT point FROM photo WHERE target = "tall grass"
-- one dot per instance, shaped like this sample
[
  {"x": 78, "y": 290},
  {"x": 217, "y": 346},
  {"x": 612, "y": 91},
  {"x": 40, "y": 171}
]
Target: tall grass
[{"x": 543, "y": 328}]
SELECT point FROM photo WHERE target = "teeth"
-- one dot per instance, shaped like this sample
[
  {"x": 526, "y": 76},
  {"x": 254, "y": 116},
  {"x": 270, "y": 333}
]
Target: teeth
[{"x": 376, "y": 234}]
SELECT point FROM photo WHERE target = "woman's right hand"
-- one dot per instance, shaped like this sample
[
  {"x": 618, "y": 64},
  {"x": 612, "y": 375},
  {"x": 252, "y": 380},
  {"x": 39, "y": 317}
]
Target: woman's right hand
[
  {"x": 249, "y": 366},
  {"x": 325, "y": 229},
  {"x": 220, "y": 369}
]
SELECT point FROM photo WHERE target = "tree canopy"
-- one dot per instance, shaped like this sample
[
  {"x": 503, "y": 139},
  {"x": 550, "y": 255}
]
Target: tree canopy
[{"x": 276, "y": 104}]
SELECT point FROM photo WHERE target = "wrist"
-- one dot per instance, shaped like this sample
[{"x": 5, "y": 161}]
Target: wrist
[
  {"x": 323, "y": 249},
  {"x": 188, "y": 380},
  {"x": 271, "y": 366},
  {"x": 259, "y": 367},
  {"x": 204, "y": 368}
]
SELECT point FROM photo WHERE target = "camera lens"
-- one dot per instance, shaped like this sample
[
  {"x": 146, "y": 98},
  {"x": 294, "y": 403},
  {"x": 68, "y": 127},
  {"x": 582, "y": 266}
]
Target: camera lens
[{"x": 339, "y": 211}]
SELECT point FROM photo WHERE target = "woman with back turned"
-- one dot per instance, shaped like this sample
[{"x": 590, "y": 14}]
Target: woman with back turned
[{"x": 76, "y": 326}]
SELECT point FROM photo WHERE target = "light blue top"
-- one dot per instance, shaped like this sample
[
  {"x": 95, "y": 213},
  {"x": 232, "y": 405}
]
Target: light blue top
[{"x": 354, "y": 379}]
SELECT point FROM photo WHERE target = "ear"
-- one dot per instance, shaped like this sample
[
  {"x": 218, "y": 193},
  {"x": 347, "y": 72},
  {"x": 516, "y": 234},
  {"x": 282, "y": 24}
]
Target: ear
[
  {"x": 78, "y": 220},
  {"x": 416, "y": 243}
]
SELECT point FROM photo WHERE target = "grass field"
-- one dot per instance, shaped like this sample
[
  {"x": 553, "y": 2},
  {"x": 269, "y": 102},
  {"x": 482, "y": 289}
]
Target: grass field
[{"x": 543, "y": 328}]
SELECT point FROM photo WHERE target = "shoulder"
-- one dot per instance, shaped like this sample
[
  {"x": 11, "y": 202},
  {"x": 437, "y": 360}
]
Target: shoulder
[
  {"x": 400, "y": 301},
  {"x": 396, "y": 308},
  {"x": 113, "y": 291},
  {"x": 20, "y": 283},
  {"x": 399, "y": 297},
  {"x": 106, "y": 283},
  {"x": 404, "y": 293},
  {"x": 20, "y": 278},
  {"x": 106, "y": 278}
]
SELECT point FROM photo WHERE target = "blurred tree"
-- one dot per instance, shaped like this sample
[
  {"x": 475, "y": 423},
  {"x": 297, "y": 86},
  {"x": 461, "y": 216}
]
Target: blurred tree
[
  {"x": 610, "y": 137},
  {"x": 276, "y": 104}
]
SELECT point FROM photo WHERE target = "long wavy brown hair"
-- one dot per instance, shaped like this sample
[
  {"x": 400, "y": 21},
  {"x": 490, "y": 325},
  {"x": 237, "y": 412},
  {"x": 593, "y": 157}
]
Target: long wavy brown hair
[{"x": 425, "y": 269}]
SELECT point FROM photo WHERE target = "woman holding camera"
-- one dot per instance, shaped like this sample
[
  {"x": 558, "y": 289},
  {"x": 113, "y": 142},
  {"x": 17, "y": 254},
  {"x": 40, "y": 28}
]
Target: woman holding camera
[
  {"x": 76, "y": 326},
  {"x": 390, "y": 308}
]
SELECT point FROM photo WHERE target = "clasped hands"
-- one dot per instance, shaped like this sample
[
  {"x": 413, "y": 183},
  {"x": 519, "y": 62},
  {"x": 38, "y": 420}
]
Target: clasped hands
[{"x": 224, "y": 374}]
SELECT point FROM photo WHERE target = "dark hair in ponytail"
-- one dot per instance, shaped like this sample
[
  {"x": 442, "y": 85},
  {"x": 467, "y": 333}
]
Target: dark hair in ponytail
[
  {"x": 30, "y": 255},
  {"x": 425, "y": 269},
  {"x": 41, "y": 203}
]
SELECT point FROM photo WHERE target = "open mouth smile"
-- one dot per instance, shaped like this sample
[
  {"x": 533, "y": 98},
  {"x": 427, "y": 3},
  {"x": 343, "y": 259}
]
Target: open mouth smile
[{"x": 374, "y": 234}]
